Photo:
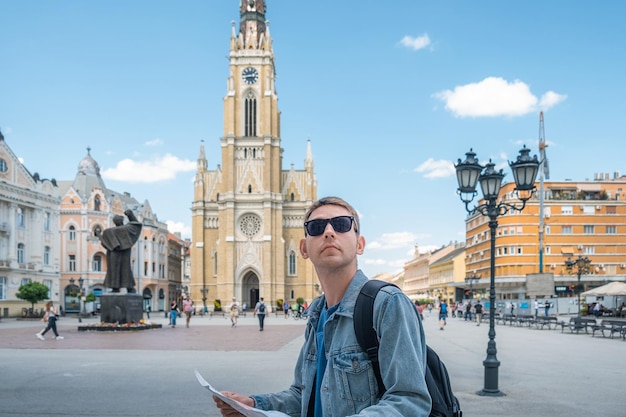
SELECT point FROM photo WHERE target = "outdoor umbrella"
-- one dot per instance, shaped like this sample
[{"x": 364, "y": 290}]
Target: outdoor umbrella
[{"x": 612, "y": 288}]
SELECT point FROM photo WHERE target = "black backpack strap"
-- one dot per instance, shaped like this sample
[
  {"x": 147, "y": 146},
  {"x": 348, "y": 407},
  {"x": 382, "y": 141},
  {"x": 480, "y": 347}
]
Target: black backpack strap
[{"x": 364, "y": 325}]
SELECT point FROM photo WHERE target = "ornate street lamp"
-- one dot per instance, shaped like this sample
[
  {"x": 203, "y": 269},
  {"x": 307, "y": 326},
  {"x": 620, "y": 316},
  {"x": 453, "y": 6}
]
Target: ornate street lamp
[
  {"x": 582, "y": 267},
  {"x": 471, "y": 279},
  {"x": 468, "y": 173},
  {"x": 81, "y": 299}
]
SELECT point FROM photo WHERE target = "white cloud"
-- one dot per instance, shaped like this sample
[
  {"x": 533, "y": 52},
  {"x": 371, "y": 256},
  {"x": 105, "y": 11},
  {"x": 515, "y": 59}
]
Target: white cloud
[
  {"x": 393, "y": 241},
  {"x": 154, "y": 142},
  {"x": 436, "y": 169},
  {"x": 158, "y": 169},
  {"x": 185, "y": 230},
  {"x": 493, "y": 97},
  {"x": 415, "y": 44}
]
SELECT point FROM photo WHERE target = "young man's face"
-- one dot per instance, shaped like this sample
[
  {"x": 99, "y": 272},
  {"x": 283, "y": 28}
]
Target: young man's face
[{"x": 332, "y": 249}]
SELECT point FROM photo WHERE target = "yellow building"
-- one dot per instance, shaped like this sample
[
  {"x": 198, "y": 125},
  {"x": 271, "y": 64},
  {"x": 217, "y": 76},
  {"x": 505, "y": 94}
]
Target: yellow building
[
  {"x": 580, "y": 218},
  {"x": 248, "y": 214}
]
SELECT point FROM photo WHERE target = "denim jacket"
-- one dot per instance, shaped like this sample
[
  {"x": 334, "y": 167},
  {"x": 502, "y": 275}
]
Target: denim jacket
[{"x": 349, "y": 385}]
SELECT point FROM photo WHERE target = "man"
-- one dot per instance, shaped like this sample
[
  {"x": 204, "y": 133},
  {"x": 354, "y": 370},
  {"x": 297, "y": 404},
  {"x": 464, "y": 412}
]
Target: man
[
  {"x": 478, "y": 310},
  {"x": 536, "y": 307},
  {"x": 443, "y": 314},
  {"x": 333, "y": 376},
  {"x": 118, "y": 241},
  {"x": 234, "y": 312},
  {"x": 546, "y": 306},
  {"x": 259, "y": 310}
]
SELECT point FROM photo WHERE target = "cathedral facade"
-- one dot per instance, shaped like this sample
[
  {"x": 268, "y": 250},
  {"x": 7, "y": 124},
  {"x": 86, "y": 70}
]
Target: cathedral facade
[{"x": 248, "y": 213}]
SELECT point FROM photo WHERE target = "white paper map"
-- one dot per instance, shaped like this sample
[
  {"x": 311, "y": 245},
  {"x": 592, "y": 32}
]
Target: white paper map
[{"x": 246, "y": 410}]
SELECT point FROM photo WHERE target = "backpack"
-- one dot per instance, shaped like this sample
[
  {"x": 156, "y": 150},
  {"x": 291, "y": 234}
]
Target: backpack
[
  {"x": 262, "y": 308},
  {"x": 444, "y": 402}
]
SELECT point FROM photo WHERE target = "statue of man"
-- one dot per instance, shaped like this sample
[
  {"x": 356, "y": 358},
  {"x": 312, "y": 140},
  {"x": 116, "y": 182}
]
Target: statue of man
[{"x": 118, "y": 241}]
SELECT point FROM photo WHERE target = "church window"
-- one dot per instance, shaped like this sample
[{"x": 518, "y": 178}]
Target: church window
[
  {"x": 250, "y": 114},
  {"x": 250, "y": 225},
  {"x": 214, "y": 263},
  {"x": 292, "y": 263},
  {"x": 249, "y": 189},
  {"x": 293, "y": 197}
]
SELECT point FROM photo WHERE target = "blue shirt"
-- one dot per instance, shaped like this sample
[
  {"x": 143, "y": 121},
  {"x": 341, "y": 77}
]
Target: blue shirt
[{"x": 321, "y": 357}]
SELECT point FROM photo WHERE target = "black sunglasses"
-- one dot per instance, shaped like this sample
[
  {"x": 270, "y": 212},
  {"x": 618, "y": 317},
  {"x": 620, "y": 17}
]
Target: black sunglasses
[{"x": 341, "y": 224}]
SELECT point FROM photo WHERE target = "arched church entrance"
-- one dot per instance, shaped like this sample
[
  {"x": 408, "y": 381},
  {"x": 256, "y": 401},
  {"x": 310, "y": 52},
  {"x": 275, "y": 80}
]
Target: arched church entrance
[{"x": 250, "y": 289}]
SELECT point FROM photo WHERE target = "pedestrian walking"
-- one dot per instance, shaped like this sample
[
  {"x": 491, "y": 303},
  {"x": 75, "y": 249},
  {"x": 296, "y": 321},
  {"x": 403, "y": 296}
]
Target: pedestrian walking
[
  {"x": 259, "y": 310},
  {"x": 443, "y": 314},
  {"x": 234, "y": 312},
  {"x": 51, "y": 317},
  {"x": 536, "y": 307},
  {"x": 173, "y": 313},
  {"x": 286, "y": 309},
  {"x": 187, "y": 309},
  {"x": 478, "y": 310},
  {"x": 546, "y": 306}
]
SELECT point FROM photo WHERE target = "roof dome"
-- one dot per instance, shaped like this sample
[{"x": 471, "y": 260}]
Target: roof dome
[{"x": 88, "y": 165}]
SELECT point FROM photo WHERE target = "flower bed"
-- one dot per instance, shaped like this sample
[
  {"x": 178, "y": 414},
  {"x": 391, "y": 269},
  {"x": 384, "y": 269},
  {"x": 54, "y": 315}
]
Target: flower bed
[{"x": 115, "y": 327}]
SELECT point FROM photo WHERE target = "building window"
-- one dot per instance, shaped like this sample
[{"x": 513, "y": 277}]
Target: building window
[
  {"x": 547, "y": 230},
  {"x": 26, "y": 281},
  {"x": 20, "y": 253},
  {"x": 567, "y": 210},
  {"x": 611, "y": 230},
  {"x": 589, "y": 229},
  {"x": 72, "y": 233},
  {"x": 97, "y": 263},
  {"x": 71, "y": 263},
  {"x": 566, "y": 230},
  {"x": 20, "y": 217},
  {"x": 291, "y": 295},
  {"x": 589, "y": 250},
  {"x": 3, "y": 288},
  {"x": 250, "y": 114},
  {"x": 292, "y": 263},
  {"x": 547, "y": 250},
  {"x": 96, "y": 203},
  {"x": 46, "y": 255},
  {"x": 611, "y": 209},
  {"x": 46, "y": 221},
  {"x": 214, "y": 264}
]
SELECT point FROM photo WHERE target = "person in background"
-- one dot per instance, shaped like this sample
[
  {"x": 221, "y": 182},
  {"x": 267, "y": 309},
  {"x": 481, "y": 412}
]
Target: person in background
[
  {"x": 173, "y": 313},
  {"x": 325, "y": 382},
  {"x": 546, "y": 306},
  {"x": 536, "y": 307},
  {"x": 478, "y": 310},
  {"x": 234, "y": 312},
  {"x": 51, "y": 317},
  {"x": 420, "y": 309},
  {"x": 187, "y": 309},
  {"x": 259, "y": 310},
  {"x": 286, "y": 309},
  {"x": 443, "y": 314}
]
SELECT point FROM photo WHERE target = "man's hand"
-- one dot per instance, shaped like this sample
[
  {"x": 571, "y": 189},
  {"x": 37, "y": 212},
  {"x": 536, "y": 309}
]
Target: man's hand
[{"x": 227, "y": 410}]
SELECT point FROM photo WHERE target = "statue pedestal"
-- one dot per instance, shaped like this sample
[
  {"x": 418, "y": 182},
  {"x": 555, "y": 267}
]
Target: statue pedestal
[{"x": 121, "y": 308}]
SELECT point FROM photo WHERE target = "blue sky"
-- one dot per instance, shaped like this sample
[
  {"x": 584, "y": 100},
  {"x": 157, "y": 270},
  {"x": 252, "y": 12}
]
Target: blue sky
[{"x": 389, "y": 93}]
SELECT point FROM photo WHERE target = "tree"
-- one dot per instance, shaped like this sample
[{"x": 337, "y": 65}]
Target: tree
[{"x": 33, "y": 292}]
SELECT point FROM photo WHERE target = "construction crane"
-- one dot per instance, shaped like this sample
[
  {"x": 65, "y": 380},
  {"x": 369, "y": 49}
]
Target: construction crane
[{"x": 544, "y": 173}]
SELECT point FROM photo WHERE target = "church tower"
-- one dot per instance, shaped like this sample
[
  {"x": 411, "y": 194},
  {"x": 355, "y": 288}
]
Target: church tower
[{"x": 248, "y": 214}]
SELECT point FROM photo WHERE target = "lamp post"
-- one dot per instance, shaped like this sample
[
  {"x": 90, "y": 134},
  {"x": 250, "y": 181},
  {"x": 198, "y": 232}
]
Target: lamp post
[
  {"x": 204, "y": 292},
  {"x": 471, "y": 279},
  {"x": 582, "y": 267},
  {"x": 469, "y": 173},
  {"x": 81, "y": 300}
]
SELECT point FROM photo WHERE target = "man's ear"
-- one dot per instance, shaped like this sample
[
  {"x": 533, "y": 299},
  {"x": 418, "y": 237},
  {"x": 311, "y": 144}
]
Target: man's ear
[
  {"x": 360, "y": 245},
  {"x": 303, "y": 250}
]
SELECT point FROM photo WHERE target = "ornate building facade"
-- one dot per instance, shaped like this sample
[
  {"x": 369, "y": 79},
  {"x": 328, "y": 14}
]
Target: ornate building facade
[{"x": 248, "y": 214}]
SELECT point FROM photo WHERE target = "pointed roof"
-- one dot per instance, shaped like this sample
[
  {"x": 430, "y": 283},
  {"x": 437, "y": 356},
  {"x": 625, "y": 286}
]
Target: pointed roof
[{"x": 88, "y": 176}]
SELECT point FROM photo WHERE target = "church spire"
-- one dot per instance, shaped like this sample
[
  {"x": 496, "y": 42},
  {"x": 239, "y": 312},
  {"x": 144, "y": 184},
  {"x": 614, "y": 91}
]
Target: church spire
[{"x": 252, "y": 22}]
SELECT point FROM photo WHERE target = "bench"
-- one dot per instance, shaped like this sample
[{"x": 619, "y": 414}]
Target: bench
[
  {"x": 550, "y": 321},
  {"x": 576, "y": 324},
  {"x": 510, "y": 318},
  {"x": 610, "y": 326},
  {"x": 525, "y": 320}
]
